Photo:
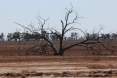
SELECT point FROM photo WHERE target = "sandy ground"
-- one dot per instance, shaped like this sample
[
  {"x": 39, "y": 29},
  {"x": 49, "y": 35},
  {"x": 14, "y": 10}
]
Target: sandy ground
[{"x": 58, "y": 67}]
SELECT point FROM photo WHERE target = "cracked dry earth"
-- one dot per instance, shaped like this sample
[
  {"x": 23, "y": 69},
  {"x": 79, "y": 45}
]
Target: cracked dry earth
[{"x": 58, "y": 67}]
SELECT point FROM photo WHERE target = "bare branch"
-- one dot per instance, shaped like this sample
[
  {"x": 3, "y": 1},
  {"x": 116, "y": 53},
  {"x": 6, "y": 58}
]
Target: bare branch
[
  {"x": 23, "y": 26},
  {"x": 62, "y": 24},
  {"x": 73, "y": 21},
  {"x": 84, "y": 42},
  {"x": 51, "y": 45},
  {"x": 42, "y": 21}
]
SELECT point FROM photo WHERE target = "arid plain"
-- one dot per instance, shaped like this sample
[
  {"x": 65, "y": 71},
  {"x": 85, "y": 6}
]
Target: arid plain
[
  {"x": 76, "y": 63},
  {"x": 54, "y": 67}
]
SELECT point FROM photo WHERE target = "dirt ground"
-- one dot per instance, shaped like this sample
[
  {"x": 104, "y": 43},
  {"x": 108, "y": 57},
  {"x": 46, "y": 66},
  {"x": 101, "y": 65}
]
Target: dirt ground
[
  {"x": 54, "y": 67},
  {"x": 17, "y": 62}
]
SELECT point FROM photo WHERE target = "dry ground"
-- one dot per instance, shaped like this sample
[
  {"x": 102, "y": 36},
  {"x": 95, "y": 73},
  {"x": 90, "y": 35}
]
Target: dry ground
[
  {"x": 24, "y": 48},
  {"x": 16, "y": 62},
  {"x": 53, "y": 67}
]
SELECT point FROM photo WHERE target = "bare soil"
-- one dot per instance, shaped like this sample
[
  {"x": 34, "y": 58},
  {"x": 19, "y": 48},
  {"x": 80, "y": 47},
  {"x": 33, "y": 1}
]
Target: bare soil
[
  {"x": 53, "y": 67},
  {"x": 18, "y": 62}
]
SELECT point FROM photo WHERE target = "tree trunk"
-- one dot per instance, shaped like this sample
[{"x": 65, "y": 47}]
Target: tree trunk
[{"x": 61, "y": 52}]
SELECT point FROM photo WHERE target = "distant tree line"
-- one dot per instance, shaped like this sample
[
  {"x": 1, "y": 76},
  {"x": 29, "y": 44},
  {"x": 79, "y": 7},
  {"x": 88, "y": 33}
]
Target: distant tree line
[{"x": 26, "y": 36}]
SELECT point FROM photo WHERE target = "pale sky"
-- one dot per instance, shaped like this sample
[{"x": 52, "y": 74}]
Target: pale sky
[{"x": 95, "y": 13}]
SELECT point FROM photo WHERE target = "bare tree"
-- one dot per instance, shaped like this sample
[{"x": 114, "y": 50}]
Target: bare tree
[{"x": 67, "y": 25}]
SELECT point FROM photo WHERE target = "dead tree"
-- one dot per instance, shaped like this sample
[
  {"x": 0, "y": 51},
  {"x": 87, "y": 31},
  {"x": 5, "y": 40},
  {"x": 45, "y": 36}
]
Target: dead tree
[{"x": 66, "y": 26}]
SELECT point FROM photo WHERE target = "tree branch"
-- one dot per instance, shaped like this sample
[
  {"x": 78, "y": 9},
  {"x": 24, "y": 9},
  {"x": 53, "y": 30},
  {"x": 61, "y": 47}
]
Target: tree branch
[
  {"x": 51, "y": 45},
  {"x": 85, "y": 42}
]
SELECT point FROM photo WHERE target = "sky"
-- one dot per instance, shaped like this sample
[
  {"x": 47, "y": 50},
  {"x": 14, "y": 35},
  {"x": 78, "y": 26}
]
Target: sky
[{"x": 94, "y": 14}]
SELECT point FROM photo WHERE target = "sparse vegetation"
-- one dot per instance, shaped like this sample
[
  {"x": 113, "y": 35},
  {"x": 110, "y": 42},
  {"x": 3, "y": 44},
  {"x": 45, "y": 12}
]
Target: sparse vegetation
[
  {"x": 57, "y": 40},
  {"x": 63, "y": 50}
]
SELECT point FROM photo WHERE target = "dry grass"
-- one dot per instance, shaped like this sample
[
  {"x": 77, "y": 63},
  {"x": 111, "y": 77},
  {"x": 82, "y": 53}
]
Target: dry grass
[{"x": 23, "y": 48}]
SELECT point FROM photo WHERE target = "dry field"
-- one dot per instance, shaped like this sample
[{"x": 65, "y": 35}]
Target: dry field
[
  {"x": 17, "y": 62},
  {"x": 24, "y": 48},
  {"x": 58, "y": 67}
]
